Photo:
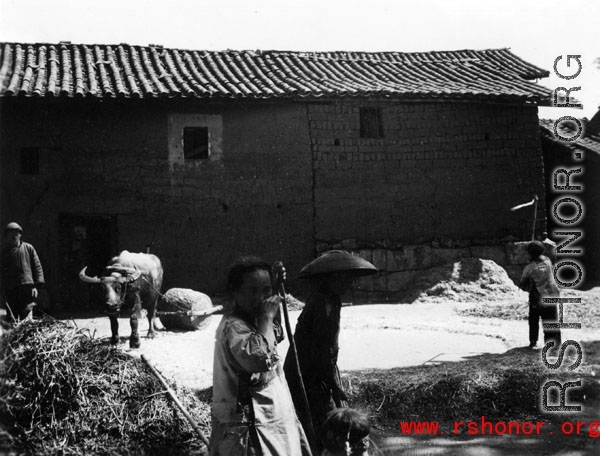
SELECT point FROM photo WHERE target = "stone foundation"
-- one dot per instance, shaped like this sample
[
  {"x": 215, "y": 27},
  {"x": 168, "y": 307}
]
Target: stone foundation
[{"x": 401, "y": 266}]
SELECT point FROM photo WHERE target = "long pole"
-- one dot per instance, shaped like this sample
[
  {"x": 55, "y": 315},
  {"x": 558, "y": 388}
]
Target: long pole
[
  {"x": 281, "y": 289},
  {"x": 535, "y": 203},
  {"x": 177, "y": 402},
  {"x": 12, "y": 315}
]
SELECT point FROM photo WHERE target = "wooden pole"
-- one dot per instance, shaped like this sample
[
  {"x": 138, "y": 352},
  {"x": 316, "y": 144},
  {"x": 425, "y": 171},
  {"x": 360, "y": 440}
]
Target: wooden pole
[
  {"x": 12, "y": 315},
  {"x": 191, "y": 313},
  {"x": 535, "y": 203},
  {"x": 281, "y": 289},
  {"x": 177, "y": 402}
]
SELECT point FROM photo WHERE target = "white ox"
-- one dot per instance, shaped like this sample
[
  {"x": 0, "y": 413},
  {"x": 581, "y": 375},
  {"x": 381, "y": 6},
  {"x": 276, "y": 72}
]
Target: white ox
[{"x": 130, "y": 280}]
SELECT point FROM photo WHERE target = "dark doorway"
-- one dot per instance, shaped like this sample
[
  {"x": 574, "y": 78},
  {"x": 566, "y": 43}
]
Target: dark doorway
[{"x": 85, "y": 241}]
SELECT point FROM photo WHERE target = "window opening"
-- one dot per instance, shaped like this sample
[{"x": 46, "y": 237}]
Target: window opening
[
  {"x": 370, "y": 123},
  {"x": 30, "y": 161},
  {"x": 195, "y": 143}
]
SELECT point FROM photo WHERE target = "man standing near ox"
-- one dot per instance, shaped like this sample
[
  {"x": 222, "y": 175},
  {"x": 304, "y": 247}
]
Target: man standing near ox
[{"x": 22, "y": 273}]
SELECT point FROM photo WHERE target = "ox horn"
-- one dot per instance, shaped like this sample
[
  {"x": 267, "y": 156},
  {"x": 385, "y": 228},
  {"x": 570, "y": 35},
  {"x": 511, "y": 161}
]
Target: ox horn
[
  {"x": 85, "y": 278},
  {"x": 127, "y": 274}
]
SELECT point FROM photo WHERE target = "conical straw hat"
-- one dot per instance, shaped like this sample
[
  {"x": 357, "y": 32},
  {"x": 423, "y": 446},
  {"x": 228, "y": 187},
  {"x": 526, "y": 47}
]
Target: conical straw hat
[{"x": 338, "y": 261}]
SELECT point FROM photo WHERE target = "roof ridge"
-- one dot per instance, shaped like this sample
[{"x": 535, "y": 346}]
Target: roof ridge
[
  {"x": 150, "y": 71},
  {"x": 228, "y": 50}
]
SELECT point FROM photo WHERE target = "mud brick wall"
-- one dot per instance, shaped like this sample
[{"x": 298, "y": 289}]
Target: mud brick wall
[
  {"x": 288, "y": 176},
  {"x": 440, "y": 170},
  {"x": 112, "y": 159}
]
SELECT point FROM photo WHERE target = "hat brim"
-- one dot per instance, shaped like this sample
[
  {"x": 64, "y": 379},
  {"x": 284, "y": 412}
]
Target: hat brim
[
  {"x": 337, "y": 261},
  {"x": 353, "y": 273}
]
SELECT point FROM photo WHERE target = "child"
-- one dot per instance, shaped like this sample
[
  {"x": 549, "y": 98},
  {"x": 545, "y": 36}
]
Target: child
[
  {"x": 252, "y": 411},
  {"x": 346, "y": 433}
]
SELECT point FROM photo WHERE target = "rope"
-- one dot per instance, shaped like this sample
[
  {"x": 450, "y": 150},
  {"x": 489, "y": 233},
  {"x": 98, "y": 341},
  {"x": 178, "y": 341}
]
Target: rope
[
  {"x": 162, "y": 295},
  {"x": 152, "y": 285}
]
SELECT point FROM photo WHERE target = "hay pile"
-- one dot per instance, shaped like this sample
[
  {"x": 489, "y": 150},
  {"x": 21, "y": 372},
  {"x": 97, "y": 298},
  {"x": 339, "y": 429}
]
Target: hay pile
[
  {"x": 468, "y": 280},
  {"x": 63, "y": 392},
  {"x": 293, "y": 303},
  {"x": 182, "y": 300},
  {"x": 442, "y": 394},
  {"x": 485, "y": 290},
  {"x": 500, "y": 387}
]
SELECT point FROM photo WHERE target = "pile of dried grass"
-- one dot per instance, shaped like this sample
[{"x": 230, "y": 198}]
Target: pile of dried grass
[
  {"x": 439, "y": 394},
  {"x": 470, "y": 279},
  {"x": 293, "y": 303},
  {"x": 63, "y": 392},
  {"x": 504, "y": 386}
]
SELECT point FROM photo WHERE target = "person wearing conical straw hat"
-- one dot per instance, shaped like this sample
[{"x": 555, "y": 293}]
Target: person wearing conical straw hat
[{"x": 317, "y": 333}]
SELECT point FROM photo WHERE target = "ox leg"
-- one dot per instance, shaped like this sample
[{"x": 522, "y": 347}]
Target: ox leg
[
  {"x": 151, "y": 316},
  {"x": 134, "y": 339},
  {"x": 114, "y": 329}
]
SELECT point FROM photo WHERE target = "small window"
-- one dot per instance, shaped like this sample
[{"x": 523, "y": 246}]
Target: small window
[
  {"x": 30, "y": 161},
  {"x": 195, "y": 143},
  {"x": 194, "y": 139},
  {"x": 370, "y": 123}
]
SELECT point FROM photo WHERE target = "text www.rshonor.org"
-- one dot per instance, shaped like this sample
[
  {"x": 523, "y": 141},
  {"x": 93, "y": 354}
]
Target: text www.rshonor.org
[{"x": 486, "y": 427}]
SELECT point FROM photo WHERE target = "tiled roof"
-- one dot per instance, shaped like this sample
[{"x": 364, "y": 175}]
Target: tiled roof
[
  {"x": 111, "y": 71},
  {"x": 589, "y": 139}
]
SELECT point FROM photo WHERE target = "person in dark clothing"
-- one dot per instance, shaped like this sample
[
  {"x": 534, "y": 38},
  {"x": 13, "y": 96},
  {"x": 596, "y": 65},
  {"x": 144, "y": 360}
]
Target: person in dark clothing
[
  {"x": 538, "y": 280},
  {"x": 316, "y": 337},
  {"x": 22, "y": 274}
]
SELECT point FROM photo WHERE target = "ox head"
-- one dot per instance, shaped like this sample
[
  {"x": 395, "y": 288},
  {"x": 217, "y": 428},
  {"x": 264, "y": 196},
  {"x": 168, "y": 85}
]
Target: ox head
[{"x": 114, "y": 282}]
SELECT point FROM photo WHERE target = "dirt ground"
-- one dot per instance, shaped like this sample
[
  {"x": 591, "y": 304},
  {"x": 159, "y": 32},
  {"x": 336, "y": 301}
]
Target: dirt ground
[
  {"x": 380, "y": 336},
  {"x": 372, "y": 336},
  {"x": 432, "y": 328}
]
